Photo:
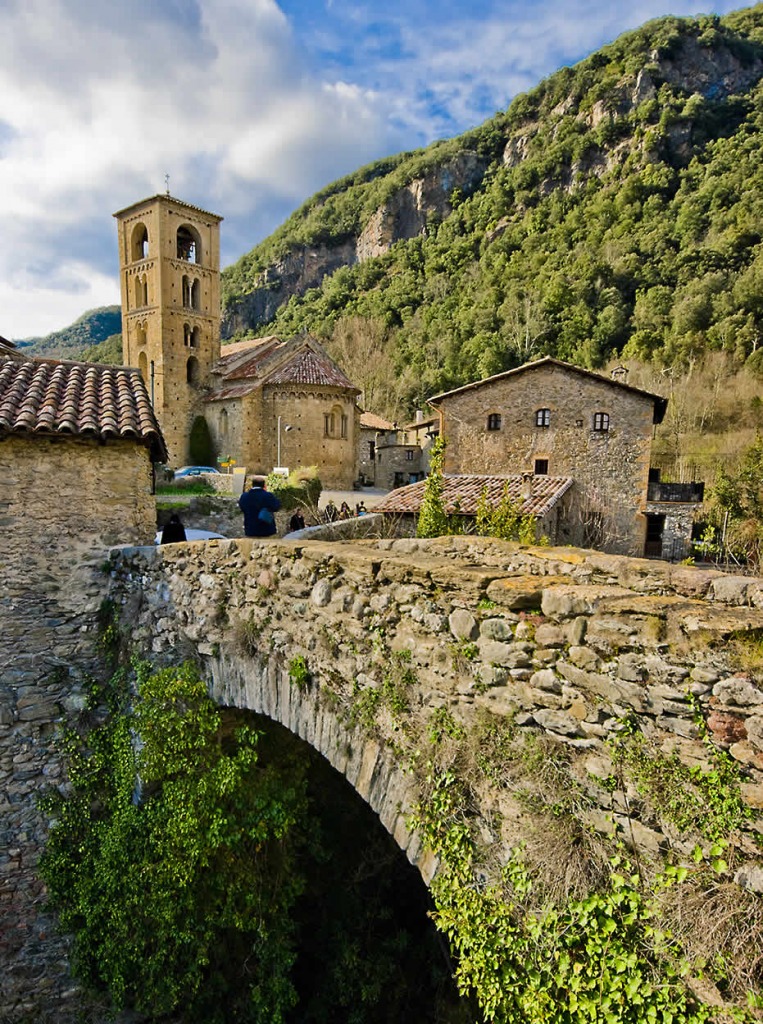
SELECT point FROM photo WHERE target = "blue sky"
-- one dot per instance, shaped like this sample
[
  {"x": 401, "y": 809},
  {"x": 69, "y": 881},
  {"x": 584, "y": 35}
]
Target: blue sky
[{"x": 249, "y": 105}]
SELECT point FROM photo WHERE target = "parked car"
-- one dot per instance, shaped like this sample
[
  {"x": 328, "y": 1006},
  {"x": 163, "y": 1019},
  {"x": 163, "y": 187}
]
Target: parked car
[
  {"x": 191, "y": 534},
  {"x": 195, "y": 470}
]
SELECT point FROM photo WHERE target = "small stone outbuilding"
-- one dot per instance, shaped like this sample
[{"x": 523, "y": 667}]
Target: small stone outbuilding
[
  {"x": 78, "y": 443},
  {"x": 77, "y": 447}
]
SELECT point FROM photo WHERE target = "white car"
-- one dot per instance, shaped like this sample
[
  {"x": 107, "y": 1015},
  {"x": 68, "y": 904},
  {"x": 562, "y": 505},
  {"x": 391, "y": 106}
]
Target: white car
[
  {"x": 195, "y": 471},
  {"x": 191, "y": 534}
]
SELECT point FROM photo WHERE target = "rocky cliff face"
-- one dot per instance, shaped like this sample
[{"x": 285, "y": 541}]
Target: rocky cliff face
[
  {"x": 405, "y": 215},
  {"x": 300, "y": 270},
  {"x": 707, "y": 73}
]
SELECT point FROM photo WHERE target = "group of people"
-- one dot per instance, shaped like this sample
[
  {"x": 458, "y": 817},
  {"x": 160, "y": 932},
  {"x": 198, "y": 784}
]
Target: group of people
[
  {"x": 332, "y": 513},
  {"x": 259, "y": 506}
]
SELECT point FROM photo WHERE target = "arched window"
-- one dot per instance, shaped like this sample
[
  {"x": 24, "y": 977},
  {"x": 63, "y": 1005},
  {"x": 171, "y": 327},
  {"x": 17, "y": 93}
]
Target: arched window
[
  {"x": 143, "y": 366},
  {"x": 141, "y": 335},
  {"x": 188, "y": 245},
  {"x": 139, "y": 243},
  {"x": 494, "y": 421},
  {"x": 601, "y": 422},
  {"x": 191, "y": 291},
  {"x": 138, "y": 289},
  {"x": 191, "y": 336},
  {"x": 192, "y": 370},
  {"x": 223, "y": 423},
  {"x": 335, "y": 423},
  {"x": 543, "y": 418}
]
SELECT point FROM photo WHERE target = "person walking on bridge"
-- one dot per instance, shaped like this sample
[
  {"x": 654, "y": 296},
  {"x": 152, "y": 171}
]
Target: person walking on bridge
[{"x": 259, "y": 507}]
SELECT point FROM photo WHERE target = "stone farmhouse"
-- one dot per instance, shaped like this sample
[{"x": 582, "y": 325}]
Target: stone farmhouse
[
  {"x": 551, "y": 420},
  {"x": 265, "y": 401}
]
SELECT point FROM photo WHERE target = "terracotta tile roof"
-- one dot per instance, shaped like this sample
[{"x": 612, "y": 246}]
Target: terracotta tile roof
[
  {"x": 169, "y": 201},
  {"x": 462, "y": 492},
  {"x": 370, "y": 421},
  {"x": 422, "y": 424},
  {"x": 660, "y": 403},
  {"x": 47, "y": 396},
  {"x": 244, "y": 359},
  {"x": 309, "y": 367}
]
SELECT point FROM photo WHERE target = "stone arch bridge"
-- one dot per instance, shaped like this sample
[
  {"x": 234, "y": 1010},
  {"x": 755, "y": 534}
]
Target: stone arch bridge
[{"x": 361, "y": 649}]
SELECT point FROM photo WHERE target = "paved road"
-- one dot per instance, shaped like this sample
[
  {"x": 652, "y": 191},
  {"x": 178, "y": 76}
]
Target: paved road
[{"x": 370, "y": 496}]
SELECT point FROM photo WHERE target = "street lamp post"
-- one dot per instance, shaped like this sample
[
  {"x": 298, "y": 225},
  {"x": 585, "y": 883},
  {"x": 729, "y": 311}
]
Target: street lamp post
[{"x": 287, "y": 426}]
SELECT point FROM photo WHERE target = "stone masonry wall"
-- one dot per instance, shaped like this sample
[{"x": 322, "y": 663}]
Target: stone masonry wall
[
  {"x": 610, "y": 469},
  {"x": 63, "y": 503}
]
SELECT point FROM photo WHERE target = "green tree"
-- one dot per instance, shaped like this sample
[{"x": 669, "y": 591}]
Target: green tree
[
  {"x": 738, "y": 505},
  {"x": 432, "y": 521},
  {"x": 202, "y": 451}
]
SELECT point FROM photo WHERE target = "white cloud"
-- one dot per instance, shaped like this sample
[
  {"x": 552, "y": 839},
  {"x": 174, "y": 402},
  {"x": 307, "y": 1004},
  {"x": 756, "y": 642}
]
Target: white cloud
[
  {"x": 98, "y": 104},
  {"x": 249, "y": 105},
  {"x": 57, "y": 302}
]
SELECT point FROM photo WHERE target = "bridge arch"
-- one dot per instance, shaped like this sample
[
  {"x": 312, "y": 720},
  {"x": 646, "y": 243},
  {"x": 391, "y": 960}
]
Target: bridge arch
[{"x": 265, "y": 687}]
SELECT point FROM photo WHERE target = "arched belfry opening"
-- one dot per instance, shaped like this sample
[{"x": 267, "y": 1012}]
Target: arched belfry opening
[
  {"x": 139, "y": 243},
  {"x": 191, "y": 289},
  {"x": 192, "y": 371},
  {"x": 188, "y": 244}
]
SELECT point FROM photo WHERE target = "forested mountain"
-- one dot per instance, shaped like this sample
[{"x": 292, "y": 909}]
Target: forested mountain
[
  {"x": 82, "y": 340},
  {"x": 615, "y": 210}
]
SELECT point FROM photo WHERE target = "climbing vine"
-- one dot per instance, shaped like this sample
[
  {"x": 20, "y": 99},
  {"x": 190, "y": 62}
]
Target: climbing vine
[
  {"x": 169, "y": 858},
  {"x": 605, "y": 958},
  {"x": 432, "y": 521}
]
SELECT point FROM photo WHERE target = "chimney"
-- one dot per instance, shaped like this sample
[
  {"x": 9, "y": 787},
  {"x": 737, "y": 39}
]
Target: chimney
[
  {"x": 419, "y": 416},
  {"x": 619, "y": 373},
  {"x": 527, "y": 486}
]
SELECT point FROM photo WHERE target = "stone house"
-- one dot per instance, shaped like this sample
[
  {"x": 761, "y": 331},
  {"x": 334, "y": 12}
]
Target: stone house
[
  {"x": 391, "y": 456},
  {"x": 77, "y": 448},
  {"x": 550, "y": 418},
  {"x": 265, "y": 401},
  {"x": 373, "y": 431}
]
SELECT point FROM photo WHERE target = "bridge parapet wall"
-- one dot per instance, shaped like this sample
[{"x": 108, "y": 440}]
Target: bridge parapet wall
[{"x": 383, "y": 634}]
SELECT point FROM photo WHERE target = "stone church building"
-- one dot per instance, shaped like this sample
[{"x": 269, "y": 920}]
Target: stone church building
[{"x": 266, "y": 401}]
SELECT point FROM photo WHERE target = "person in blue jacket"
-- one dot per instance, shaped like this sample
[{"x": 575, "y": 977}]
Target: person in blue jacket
[{"x": 259, "y": 507}]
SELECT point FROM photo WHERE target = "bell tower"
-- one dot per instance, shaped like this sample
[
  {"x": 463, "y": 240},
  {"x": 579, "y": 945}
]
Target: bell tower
[{"x": 169, "y": 268}]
